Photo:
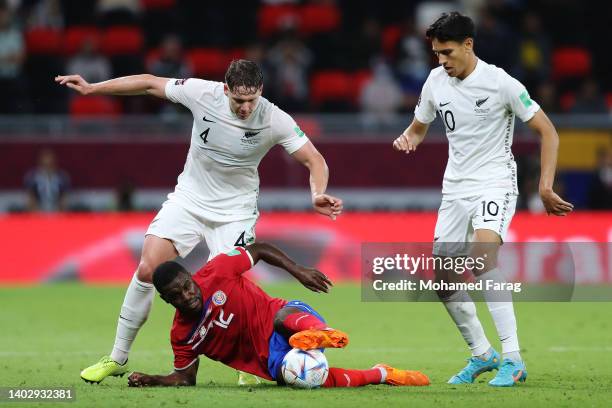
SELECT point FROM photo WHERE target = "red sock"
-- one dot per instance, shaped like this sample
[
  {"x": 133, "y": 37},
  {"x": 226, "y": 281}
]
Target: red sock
[
  {"x": 340, "y": 377},
  {"x": 297, "y": 322}
]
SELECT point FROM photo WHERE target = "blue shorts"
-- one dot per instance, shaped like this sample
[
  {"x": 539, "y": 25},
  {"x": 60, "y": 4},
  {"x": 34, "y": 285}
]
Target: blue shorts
[{"x": 279, "y": 346}]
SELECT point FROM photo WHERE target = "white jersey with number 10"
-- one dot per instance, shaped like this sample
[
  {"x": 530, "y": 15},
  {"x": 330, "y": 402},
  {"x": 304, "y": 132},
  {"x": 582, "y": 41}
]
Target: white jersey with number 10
[{"x": 478, "y": 114}]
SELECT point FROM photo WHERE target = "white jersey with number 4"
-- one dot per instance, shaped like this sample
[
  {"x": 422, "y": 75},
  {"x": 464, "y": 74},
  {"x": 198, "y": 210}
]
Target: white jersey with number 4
[
  {"x": 478, "y": 114},
  {"x": 220, "y": 180}
]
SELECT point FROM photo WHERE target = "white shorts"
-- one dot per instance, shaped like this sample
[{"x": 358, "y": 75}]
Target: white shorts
[
  {"x": 186, "y": 230},
  {"x": 459, "y": 218}
]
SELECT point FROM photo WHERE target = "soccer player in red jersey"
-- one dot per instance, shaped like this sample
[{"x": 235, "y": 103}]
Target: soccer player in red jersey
[{"x": 228, "y": 318}]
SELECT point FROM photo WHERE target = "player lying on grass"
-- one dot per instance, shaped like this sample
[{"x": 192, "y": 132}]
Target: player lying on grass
[{"x": 226, "y": 317}]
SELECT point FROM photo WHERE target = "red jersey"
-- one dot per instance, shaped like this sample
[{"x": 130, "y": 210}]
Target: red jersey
[{"x": 237, "y": 318}]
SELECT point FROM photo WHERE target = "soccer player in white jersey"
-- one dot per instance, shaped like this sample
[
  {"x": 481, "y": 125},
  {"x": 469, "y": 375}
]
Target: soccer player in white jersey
[
  {"x": 477, "y": 103},
  {"x": 215, "y": 198}
]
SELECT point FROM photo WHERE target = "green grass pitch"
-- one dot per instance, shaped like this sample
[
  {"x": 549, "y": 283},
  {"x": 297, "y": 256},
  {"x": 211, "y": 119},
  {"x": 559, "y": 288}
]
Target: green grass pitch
[{"x": 48, "y": 333}]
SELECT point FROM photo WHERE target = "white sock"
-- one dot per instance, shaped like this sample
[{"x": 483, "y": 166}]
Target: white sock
[
  {"x": 383, "y": 375},
  {"x": 502, "y": 311},
  {"x": 462, "y": 310},
  {"x": 134, "y": 312}
]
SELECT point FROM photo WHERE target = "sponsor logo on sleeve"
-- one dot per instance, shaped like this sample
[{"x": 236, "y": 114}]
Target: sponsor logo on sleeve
[
  {"x": 180, "y": 81},
  {"x": 524, "y": 97},
  {"x": 298, "y": 131}
]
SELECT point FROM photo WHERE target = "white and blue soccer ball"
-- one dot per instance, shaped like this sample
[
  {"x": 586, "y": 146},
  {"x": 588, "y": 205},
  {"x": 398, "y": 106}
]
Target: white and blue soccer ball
[{"x": 304, "y": 369}]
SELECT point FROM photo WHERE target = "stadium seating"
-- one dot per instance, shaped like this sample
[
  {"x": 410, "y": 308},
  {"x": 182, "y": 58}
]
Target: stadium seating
[
  {"x": 390, "y": 37},
  {"x": 319, "y": 18},
  {"x": 571, "y": 62},
  {"x": 272, "y": 18},
  {"x": 75, "y": 36},
  {"x": 331, "y": 87},
  {"x": 157, "y": 4},
  {"x": 122, "y": 40},
  {"x": 44, "y": 41},
  {"x": 359, "y": 80},
  {"x": 209, "y": 63},
  {"x": 86, "y": 106}
]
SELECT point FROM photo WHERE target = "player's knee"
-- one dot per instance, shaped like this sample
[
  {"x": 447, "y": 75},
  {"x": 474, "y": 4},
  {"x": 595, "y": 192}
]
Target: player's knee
[
  {"x": 279, "y": 319},
  {"x": 444, "y": 295},
  {"x": 145, "y": 270}
]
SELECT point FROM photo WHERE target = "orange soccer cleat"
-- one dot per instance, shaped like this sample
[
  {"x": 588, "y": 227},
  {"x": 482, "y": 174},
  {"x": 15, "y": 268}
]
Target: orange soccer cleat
[
  {"x": 315, "y": 339},
  {"x": 395, "y": 376}
]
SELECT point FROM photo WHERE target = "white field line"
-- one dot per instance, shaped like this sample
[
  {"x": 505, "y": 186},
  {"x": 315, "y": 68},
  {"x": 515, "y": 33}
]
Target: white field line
[{"x": 377, "y": 350}]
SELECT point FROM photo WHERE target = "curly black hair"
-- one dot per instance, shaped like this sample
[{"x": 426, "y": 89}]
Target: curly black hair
[
  {"x": 451, "y": 27},
  {"x": 166, "y": 273}
]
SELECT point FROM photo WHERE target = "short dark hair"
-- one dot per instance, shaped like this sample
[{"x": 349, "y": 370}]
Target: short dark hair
[
  {"x": 451, "y": 27},
  {"x": 166, "y": 273},
  {"x": 243, "y": 73}
]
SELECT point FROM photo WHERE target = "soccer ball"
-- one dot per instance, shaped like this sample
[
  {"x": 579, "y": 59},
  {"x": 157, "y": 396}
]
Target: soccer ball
[{"x": 304, "y": 369}]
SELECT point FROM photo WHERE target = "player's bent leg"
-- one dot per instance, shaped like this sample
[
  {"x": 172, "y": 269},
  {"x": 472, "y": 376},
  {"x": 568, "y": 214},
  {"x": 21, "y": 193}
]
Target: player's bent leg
[
  {"x": 379, "y": 374},
  {"x": 319, "y": 338},
  {"x": 499, "y": 301},
  {"x": 134, "y": 310},
  {"x": 306, "y": 330}
]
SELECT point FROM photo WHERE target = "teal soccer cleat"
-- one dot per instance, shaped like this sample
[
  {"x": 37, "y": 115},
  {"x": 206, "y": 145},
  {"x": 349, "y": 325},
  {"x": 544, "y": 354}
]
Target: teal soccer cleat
[
  {"x": 474, "y": 368},
  {"x": 510, "y": 373}
]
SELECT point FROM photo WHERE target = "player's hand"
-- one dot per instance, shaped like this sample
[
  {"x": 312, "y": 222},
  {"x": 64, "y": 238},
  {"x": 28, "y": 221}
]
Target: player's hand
[
  {"x": 406, "y": 143},
  {"x": 312, "y": 278},
  {"x": 139, "y": 380},
  {"x": 554, "y": 204},
  {"x": 327, "y": 205},
  {"x": 75, "y": 82}
]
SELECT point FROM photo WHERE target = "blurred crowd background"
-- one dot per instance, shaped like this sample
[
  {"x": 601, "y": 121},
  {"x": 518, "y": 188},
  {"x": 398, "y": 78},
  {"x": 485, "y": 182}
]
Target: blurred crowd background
[{"x": 349, "y": 70}]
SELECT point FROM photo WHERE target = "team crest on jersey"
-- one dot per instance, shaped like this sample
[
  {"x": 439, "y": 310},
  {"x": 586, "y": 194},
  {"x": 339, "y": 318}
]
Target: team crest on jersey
[
  {"x": 219, "y": 298},
  {"x": 481, "y": 111}
]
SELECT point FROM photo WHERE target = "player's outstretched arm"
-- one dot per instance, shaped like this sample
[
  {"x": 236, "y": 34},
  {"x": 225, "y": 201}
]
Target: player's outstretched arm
[
  {"x": 411, "y": 137},
  {"x": 186, "y": 377},
  {"x": 548, "y": 157},
  {"x": 144, "y": 84},
  {"x": 323, "y": 203},
  {"x": 309, "y": 277}
]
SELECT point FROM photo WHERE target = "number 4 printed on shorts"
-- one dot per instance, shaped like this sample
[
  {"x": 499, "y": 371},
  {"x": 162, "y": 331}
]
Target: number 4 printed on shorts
[{"x": 240, "y": 241}]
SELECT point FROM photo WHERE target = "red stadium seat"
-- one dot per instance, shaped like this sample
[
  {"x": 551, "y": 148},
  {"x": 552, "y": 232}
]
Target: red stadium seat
[
  {"x": 236, "y": 53},
  {"x": 273, "y": 18},
  {"x": 567, "y": 101},
  {"x": 331, "y": 86},
  {"x": 609, "y": 100},
  {"x": 390, "y": 37},
  {"x": 151, "y": 56},
  {"x": 122, "y": 40},
  {"x": 44, "y": 41},
  {"x": 571, "y": 62},
  {"x": 319, "y": 18},
  {"x": 157, "y": 4},
  {"x": 82, "y": 106},
  {"x": 75, "y": 36},
  {"x": 209, "y": 63},
  {"x": 360, "y": 79}
]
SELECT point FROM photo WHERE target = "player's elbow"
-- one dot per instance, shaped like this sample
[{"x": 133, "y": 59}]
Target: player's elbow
[{"x": 185, "y": 380}]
